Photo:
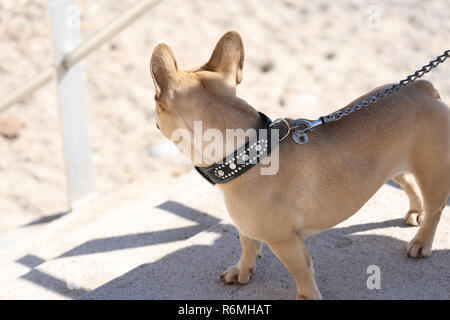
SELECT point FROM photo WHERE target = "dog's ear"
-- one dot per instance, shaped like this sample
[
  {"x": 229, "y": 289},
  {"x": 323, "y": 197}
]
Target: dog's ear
[
  {"x": 228, "y": 58},
  {"x": 163, "y": 68}
]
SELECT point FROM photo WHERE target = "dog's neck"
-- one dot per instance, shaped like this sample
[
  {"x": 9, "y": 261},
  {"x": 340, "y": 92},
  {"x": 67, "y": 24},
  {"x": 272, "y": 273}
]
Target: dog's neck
[
  {"x": 238, "y": 114},
  {"x": 237, "y": 121}
]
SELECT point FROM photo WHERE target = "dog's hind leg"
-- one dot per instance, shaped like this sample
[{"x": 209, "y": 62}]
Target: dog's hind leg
[
  {"x": 295, "y": 257},
  {"x": 242, "y": 271},
  {"x": 416, "y": 213},
  {"x": 435, "y": 190}
]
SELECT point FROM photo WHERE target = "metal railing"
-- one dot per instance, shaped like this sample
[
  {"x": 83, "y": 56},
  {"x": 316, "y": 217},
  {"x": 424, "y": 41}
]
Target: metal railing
[{"x": 69, "y": 50}]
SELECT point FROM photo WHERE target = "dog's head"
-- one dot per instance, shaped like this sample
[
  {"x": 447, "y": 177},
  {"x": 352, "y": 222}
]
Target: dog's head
[{"x": 185, "y": 96}]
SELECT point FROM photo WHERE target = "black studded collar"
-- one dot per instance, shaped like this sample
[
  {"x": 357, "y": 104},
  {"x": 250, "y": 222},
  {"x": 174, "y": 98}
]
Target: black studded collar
[{"x": 242, "y": 159}]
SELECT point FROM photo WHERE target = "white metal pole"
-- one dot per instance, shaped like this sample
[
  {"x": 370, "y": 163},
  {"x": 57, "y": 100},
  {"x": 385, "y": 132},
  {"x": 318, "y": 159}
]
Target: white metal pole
[
  {"x": 65, "y": 30},
  {"x": 71, "y": 58},
  {"x": 114, "y": 27}
]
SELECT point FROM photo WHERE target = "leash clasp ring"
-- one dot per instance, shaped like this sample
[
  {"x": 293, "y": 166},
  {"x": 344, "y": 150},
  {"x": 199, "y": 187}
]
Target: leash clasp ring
[
  {"x": 300, "y": 127},
  {"x": 278, "y": 121}
]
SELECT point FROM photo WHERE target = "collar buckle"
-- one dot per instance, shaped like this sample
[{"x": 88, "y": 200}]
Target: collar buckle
[{"x": 275, "y": 123}]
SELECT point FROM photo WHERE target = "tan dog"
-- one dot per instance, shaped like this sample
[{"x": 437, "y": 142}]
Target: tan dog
[{"x": 405, "y": 136}]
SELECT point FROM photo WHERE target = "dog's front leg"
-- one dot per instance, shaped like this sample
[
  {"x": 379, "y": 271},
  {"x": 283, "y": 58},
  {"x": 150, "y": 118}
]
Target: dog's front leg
[
  {"x": 295, "y": 257},
  {"x": 241, "y": 272}
]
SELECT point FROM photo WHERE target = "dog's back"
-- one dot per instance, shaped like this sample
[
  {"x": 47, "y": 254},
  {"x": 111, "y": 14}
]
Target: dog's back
[{"x": 406, "y": 132}]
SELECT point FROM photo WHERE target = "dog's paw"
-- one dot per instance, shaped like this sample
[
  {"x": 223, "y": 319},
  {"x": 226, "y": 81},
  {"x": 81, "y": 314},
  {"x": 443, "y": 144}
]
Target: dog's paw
[
  {"x": 418, "y": 249},
  {"x": 414, "y": 218},
  {"x": 234, "y": 275}
]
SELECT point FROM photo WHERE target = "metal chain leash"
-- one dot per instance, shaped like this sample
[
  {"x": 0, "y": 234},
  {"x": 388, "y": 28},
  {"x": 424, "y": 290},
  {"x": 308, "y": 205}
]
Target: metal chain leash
[
  {"x": 337, "y": 115},
  {"x": 301, "y": 126}
]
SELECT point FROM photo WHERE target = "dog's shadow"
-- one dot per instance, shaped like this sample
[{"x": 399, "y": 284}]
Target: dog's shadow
[{"x": 341, "y": 260}]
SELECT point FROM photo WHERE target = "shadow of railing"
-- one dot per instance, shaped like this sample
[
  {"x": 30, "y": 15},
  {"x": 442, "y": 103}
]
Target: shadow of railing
[
  {"x": 202, "y": 221},
  {"x": 46, "y": 219},
  {"x": 340, "y": 258}
]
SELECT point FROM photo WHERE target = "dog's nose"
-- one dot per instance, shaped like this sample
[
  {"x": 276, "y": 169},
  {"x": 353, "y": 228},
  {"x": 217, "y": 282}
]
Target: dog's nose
[{"x": 157, "y": 126}]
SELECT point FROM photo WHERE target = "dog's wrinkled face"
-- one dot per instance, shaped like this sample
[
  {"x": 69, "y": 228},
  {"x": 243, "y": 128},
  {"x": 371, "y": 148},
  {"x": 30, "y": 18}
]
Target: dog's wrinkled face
[{"x": 185, "y": 96}]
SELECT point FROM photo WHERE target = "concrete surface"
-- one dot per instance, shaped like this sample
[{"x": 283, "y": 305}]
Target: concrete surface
[
  {"x": 376, "y": 235},
  {"x": 148, "y": 192},
  {"x": 151, "y": 242},
  {"x": 95, "y": 246}
]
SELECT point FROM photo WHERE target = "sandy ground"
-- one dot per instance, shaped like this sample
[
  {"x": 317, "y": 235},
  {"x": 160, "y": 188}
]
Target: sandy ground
[{"x": 303, "y": 59}]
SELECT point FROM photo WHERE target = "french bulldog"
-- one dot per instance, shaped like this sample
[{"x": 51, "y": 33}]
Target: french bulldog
[{"x": 405, "y": 136}]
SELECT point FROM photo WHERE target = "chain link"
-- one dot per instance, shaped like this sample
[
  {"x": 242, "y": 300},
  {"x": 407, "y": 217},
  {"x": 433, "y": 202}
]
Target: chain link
[{"x": 337, "y": 115}]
